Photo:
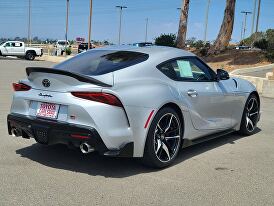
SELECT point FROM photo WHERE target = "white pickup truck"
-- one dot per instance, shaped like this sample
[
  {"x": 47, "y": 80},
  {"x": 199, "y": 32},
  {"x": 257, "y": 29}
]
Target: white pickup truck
[{"x": 18, "y": 49}]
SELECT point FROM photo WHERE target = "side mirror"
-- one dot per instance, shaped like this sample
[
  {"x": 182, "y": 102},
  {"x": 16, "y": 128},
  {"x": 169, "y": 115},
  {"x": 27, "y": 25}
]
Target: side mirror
[{"x": 222, "y": 74}]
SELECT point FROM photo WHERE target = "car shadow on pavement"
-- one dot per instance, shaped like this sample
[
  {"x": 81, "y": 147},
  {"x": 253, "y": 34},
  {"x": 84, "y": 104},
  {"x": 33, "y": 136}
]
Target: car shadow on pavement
[{"x": 59, "y": 156}]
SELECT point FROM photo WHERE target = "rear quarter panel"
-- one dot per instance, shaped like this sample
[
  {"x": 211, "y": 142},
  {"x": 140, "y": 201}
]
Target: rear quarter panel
[{"x": 142, "y": 91}]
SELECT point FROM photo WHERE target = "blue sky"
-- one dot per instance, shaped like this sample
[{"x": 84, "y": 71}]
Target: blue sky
[{"x": 48, "y": 18}]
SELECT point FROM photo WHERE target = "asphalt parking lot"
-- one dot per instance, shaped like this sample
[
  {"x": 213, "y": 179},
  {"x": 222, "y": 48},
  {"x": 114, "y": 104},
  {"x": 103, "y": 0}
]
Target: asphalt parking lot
[
  {"x": 261, "y": 74},
  {"x": 231, "y": 170}
]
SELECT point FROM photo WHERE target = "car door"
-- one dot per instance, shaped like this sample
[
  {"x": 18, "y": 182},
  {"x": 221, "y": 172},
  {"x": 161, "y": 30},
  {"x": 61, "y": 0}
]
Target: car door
[
  {"x": 209, "y": 106},
  {"x": 7, "y": 49},
  {"x": 18, "y": 48}
]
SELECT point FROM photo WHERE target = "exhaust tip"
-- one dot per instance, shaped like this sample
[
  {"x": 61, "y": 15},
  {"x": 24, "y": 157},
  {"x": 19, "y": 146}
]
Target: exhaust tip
[
  {"x": 86, "y": 148},
  {"x": 14, "y": 132}
]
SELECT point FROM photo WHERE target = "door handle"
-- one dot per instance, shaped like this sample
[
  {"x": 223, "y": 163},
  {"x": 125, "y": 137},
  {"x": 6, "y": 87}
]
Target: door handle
[{"x": 192, "y": 93}]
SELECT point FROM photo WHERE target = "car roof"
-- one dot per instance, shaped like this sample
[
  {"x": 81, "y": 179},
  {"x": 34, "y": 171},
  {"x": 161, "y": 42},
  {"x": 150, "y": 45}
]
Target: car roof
[
  {"x": 15, "y": 41},
  {"x": 153, "y": 51},
  {"x": 142, "y": 43}
]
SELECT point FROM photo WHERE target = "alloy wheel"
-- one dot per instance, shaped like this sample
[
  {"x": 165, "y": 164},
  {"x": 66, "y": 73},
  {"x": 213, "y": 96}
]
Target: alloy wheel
[
  {"x": 252, "y": 114},
  {"x": 167, "y": 137}
]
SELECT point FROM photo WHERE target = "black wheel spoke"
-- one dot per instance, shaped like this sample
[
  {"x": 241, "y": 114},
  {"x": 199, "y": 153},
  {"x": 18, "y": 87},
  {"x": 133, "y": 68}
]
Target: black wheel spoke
[
  {"x": 174, "y": 130},
  {"x": 252, "y": 112},
  {"x": 167, "y": 137}
]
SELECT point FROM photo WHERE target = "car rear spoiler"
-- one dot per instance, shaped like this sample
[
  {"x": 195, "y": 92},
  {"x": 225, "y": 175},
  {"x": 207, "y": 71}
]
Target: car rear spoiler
[{"x": 80, "y": 77}]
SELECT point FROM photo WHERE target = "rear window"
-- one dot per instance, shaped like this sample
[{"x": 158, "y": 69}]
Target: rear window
[
  {"x": 98, "y": 62},
  {"x": 83, "y": 46},
  {"x": 62, "y": 43}
]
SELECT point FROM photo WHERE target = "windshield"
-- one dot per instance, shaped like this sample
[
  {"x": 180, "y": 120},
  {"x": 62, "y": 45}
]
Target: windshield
[
  {"x": 98, "y": 62},
  {"x": 62, "y": 43},
  {"x": 1, "y": 43}
]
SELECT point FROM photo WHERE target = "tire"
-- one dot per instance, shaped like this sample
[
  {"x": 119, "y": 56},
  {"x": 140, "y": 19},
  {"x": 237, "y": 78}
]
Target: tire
[
  {"x": 30, "y": 56},
  {"x": 163, "y": 139},
  {"x": 250, "y": 116}
]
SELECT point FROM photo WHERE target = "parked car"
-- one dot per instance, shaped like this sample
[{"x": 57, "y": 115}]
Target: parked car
[
  {"x": 132, "y": 102},
  {"x": 143, "y": 44},
  {"x": 18, "y": 49},
  {"x": 83, "y": 47},
  {"x": 61, "y": 46},
  {"x": 243, "y": 48}
]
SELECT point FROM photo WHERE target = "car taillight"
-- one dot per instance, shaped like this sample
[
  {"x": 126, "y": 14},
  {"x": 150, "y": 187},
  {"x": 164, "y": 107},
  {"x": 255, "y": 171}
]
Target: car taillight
[
  {"x": 99, "y": 97},
  {"x": 20, "y": 87}
]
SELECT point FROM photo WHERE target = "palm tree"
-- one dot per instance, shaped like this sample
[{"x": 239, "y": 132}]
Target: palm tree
[
  {"x": 181, "y": 37},
  {"x": 226, "y": 29}
]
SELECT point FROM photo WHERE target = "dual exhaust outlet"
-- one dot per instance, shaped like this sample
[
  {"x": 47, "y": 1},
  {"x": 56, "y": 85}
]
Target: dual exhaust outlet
[
  {"x": 15, "y": 132},
  {"x": 86, "y": 148}
]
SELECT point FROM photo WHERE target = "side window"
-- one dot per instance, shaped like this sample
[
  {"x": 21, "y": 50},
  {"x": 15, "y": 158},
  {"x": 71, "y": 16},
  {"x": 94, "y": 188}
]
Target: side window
[
  {"x": 18, "y": 44},
  {"x": 13, "y": 44},
  {"x": 208, "y": 71},
  {"x": 7, "y": 44},
  {"x": 186, "y": 69}
]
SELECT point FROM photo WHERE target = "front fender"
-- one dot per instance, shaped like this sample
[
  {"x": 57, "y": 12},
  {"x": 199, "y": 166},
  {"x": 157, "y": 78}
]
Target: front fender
[{"x": 244, "y": 86}]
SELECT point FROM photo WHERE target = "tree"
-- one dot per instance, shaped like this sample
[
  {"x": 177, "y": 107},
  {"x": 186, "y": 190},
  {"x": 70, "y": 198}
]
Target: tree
[
  {"x": 181, "y": 37},
  {"x": 198, "y": 44},
  {"x": 261, "y": 44},
  {"x": 226, "y": 29},
  {"x": 166, "y": 40},
  {"x": 251, "y": 39},
  {"x": 191, "y": 41}
]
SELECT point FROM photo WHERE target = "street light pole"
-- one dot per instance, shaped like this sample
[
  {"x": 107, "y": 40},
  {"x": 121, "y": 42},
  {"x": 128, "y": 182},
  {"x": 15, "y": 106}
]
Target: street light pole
[
  {"x": 146, "y": 29},
  {"x": 67, "y": 24},
  {"x": 29, "y": 24},
  {"x": 242, "y": 31},
  {"x": 244, "y": 25},
  {"x": 89, "y": 24},
  {"x": 120, "y": 23},
  {"x": 206, "y": 20}
]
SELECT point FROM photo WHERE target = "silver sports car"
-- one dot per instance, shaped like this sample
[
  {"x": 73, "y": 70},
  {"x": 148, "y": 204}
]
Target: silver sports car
[{"x": 132, "y": 102}]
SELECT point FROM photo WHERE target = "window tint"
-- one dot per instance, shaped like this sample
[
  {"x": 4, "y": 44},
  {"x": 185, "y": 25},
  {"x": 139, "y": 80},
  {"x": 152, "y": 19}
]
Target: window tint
[
  {"x": 63, "y": 43},
  {"x": 16, "y": 44},
  {"x": 83, "y": 46},
  {"x": 186, "y": 69},
  {"x": 98, "y": 62}
]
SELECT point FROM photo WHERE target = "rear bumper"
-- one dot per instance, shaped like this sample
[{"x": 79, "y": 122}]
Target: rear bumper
[{"x": 51, "y": 132}]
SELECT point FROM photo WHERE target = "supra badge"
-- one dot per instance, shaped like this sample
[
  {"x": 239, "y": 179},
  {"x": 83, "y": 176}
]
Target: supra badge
[
  {"x": 44, "y": 95},
  {"x": 46, "y": 83}
]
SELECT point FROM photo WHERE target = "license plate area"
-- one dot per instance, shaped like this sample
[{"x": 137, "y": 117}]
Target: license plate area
[{"x": 47, "y": 110}]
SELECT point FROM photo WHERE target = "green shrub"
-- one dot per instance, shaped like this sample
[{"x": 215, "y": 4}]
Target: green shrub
[
  {"x": 204, "y": 51},
  {"x": 166, "y": 40},
  {"x": 68, "y": 51},
  {"x": 250, "y": 40},
  {"x": 261, "y": 44},
  {"x": 198, "y": 44},
  {"x": 270, "y": 55}
]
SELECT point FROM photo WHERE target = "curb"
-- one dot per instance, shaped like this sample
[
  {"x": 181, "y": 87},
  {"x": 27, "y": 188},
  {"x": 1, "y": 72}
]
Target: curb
[
  {"x": 253, "y": 69},
  {"x": 264, "y": 86}
]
